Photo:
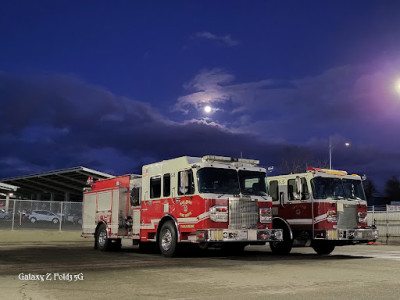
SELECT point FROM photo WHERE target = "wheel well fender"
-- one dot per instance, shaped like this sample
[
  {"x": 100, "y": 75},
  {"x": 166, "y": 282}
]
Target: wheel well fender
[
  {"x": 98, "y": 226},
  {"x": 278, "y": 222},
  {"x": 165, "y": 219}
]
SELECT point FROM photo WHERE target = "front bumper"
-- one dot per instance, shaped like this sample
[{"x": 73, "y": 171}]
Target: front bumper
[
  {"x": 239, "y": 235},
  {"x": 366, "y": 235}
]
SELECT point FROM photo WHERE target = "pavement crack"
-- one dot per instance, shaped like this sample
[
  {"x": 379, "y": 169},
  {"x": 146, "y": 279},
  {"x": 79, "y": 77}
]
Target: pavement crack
[{"x": 21, "y": 291}]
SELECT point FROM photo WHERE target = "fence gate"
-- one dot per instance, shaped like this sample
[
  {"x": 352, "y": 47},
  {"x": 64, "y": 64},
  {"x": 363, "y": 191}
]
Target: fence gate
[{"x": 387, "y": 220}]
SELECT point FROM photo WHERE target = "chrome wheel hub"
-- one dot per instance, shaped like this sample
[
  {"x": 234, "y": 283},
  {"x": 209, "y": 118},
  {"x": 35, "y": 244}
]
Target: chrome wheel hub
[
  {"x": 166, "y": 240},
  {"x": 102, "y": 238}
]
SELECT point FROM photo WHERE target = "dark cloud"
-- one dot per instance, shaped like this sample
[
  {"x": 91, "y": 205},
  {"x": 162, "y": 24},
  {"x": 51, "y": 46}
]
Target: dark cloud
[{"x": 55, "y": 121}]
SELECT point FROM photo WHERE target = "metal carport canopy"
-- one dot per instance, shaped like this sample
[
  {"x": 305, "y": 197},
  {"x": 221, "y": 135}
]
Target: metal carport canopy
[
  {"x": 7, "y": 187},
  {"x": 63, "y": 185}
]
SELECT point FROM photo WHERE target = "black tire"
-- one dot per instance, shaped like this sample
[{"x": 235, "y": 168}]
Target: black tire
[
  {"x": 33, "y": 220},
  {"x": 167, "y": 239},
  {"x": 284, "y": 247},
  {"x": 55, "y": 221},
  {"x": 102, "y": 240},
  {"x": 323, "y": 247}
]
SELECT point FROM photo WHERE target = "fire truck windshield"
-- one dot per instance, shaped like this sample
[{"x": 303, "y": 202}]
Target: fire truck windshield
[
  {"x": 336, "y": 188},
  {"x": 228, "y": 181}
]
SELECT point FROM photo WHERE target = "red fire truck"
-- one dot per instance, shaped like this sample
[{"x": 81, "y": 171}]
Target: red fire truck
[
  {"x": 212, "y": 201},
  {"x": 321, "y": 208}
]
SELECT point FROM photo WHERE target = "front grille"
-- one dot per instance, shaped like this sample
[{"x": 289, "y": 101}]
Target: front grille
[
  {"x": 243, "y": 213},
  {"x": 347, "y": 219}
]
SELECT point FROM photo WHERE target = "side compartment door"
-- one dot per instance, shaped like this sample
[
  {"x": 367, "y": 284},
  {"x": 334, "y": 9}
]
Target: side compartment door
[
  {"x": 89, "y": 213},
  {"x": 135, "y": 204},
  {"x": 123, "y": 211}
]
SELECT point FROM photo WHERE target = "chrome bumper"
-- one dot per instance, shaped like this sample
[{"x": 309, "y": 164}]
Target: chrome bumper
[
  {"x": 369, "y": 234},
  {"x": 239, "y": 235}
]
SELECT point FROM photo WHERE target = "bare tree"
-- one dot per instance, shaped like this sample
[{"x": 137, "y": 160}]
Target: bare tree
[
  {"x": 297, "y": 160},
  {"x": 369, "y": 189},
  {"x": 392, "y": 189}
]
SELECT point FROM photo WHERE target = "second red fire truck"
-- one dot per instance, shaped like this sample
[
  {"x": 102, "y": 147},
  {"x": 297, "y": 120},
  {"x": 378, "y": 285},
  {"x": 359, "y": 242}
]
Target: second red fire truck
[
  {"x": 321, "y": 208},
  {"x": 210, "y": 201}
]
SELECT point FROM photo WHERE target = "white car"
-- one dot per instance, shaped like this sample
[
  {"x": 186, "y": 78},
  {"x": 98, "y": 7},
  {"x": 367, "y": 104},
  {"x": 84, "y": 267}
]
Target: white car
[
  {"x": 44, "y": 215},
  {"x": 4, "y": 214}
]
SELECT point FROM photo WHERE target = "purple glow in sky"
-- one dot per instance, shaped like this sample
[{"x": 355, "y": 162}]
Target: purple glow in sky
[{"x": 112, "y": 86}]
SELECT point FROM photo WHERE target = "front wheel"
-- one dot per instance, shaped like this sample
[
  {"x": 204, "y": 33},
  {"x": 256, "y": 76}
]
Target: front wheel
[
  {"x": 167, "y": 240},
  {"x": 322, "y": 247},
  {"x": 281, "y": 248},
  {"x": 284, "y": 247}
]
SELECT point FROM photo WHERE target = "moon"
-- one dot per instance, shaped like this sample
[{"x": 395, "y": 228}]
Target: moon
[{"x": 207, "y": 109}]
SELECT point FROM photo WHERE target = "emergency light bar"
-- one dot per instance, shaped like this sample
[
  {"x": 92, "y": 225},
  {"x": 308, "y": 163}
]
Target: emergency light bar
[
  {"x": 327, "y": 171},
  {"x": 230, "y": 159}
]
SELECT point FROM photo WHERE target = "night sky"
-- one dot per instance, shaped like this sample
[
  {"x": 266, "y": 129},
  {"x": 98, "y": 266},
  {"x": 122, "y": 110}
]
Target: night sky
[{"x": 113, "y": 85}]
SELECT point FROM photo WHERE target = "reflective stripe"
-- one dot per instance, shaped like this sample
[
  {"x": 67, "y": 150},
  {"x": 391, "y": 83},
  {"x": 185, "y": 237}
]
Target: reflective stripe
[{"x": 192, "y": 220}]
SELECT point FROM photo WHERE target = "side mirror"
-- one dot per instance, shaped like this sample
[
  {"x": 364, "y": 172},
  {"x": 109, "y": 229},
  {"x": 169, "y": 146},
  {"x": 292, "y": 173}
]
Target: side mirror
[
  {"x": 183, "y": 182},
  {"x": 299, "y": 188}
]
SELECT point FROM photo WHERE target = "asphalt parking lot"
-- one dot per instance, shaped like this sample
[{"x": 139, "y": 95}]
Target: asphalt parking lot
[{"x": 59, "y": 265}]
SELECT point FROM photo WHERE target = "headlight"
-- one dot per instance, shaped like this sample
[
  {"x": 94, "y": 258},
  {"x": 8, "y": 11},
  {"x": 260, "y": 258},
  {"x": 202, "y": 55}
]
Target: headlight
[
  {"x": 265, "y": 215},
  {"x": 331, "y": 216},
  {"x": 219, "y": 213},
  {"x": 362, "y": 217}
]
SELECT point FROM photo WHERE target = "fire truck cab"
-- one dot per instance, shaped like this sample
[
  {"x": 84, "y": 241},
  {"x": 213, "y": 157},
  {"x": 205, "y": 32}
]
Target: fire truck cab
[
  {"x": 210, "y": 201},
  {"x": 321, "y": 208}
]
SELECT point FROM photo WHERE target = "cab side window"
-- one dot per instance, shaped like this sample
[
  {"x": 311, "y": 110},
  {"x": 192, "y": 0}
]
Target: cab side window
[
  {"x": 135, "y": 196},
  {"x": 274, "y": 190},
  {"x": 292, "y": 189},
  {"x": 167, "y": 185},
  {"x": 155, "y": 187}
]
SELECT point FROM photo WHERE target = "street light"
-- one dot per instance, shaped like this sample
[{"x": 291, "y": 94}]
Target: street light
[
  {"x": 347, "y": 144},
  {"x": 397, "y": 86}
]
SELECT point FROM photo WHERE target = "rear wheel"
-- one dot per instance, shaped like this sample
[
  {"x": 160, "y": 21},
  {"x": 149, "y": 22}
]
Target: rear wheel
[
  {"x": 167, "y": 240},
  {"x": 102, "y": 241},
  {"x": 322, "y": 247}
]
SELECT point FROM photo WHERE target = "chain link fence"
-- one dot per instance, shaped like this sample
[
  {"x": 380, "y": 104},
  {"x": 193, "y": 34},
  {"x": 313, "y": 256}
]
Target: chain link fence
[
  {"x": 44, "y": 215},
  {"x": 387, "y": 219},
  {"x": 56, "y": 215}
]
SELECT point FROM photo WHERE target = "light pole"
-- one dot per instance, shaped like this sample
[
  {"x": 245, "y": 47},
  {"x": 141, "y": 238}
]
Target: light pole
[{"x": 331, "y": 146}]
